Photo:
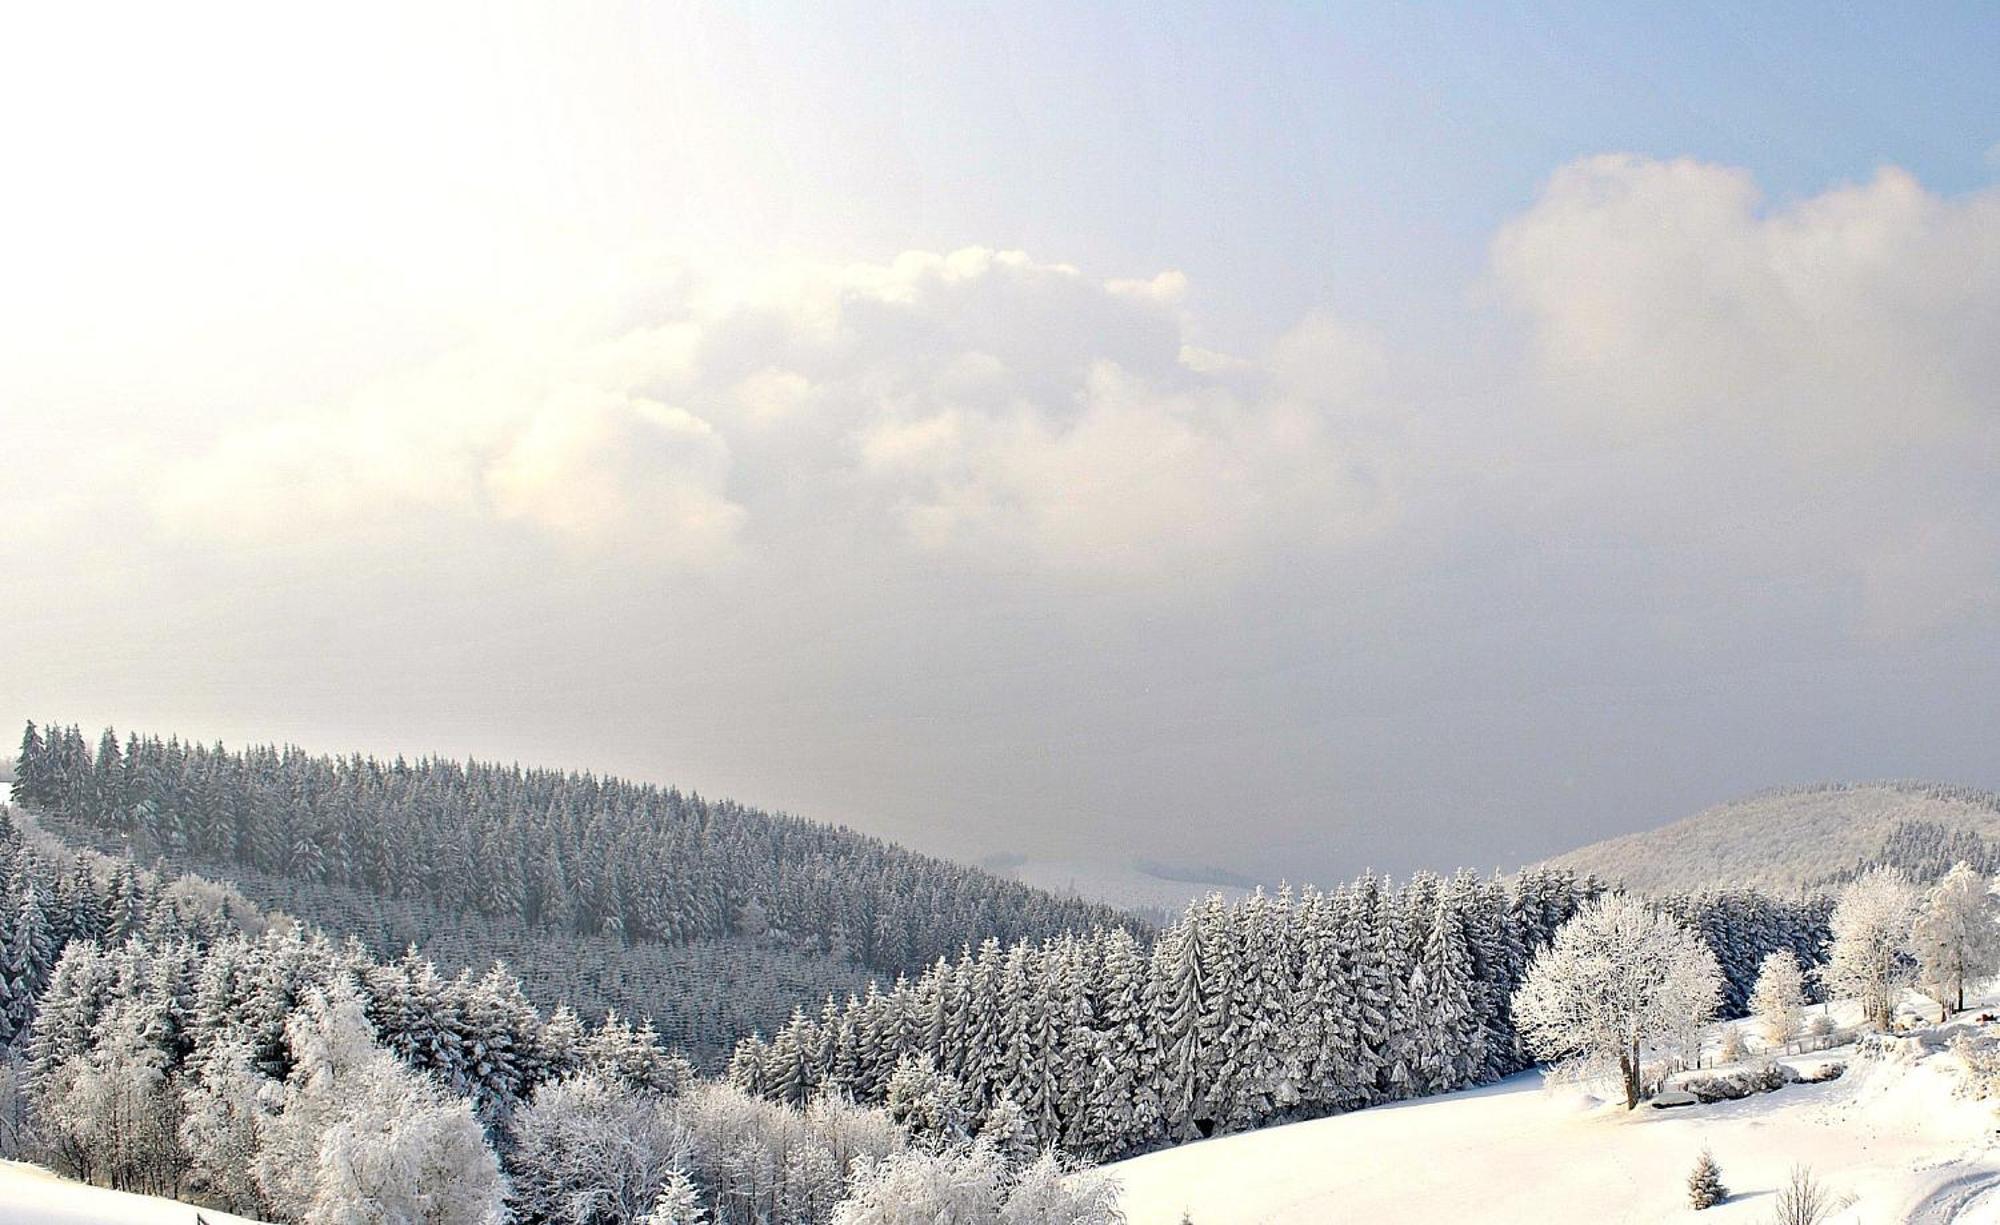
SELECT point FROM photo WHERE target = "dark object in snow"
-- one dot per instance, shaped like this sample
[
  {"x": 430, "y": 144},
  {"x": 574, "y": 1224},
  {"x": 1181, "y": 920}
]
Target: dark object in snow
[
  {"x": 1987, "y": 1018},
  {"x": 1667, "y": 1099},
  {"x": 1705, "y": 1189}
]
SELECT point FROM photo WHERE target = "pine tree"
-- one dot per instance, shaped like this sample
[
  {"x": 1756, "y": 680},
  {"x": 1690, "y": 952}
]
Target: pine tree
[{"x": 1705, "y": 1189}]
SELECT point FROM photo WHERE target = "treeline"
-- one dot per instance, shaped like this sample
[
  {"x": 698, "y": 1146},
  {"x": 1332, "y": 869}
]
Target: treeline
[
  {"x": 1238, "y": 1016},
  {"x": 701, "y": 996},
  {"x": 294, "y": 1079},
  {"x": 1924, "y": 851},
  {"x": 51, "y": 896},
  {"x": 558, "y": 851}
]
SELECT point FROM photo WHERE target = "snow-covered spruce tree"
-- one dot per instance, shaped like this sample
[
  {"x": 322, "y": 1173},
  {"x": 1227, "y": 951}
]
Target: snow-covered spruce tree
[
  {"x": 1617, "y": 976},
  {"x": 679, "y": 1203},
  {"x": 1871, "y": 958},
  {"x": 1957, "y": 936},
  {"x": 1705, "y": 1189},
  {"x": 1778, "y": 1001}
]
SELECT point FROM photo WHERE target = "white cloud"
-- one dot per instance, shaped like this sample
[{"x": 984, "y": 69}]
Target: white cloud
[
  {"x": 976, "y": 404},
  {"x": 1803, "y": 389}
]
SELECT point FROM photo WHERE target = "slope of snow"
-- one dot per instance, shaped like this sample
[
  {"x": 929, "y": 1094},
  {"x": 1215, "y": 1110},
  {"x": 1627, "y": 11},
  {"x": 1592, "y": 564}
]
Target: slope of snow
[
  {"x": 1782, "y": 839},
  {"x": 1890, "y": 1134},
  {"x": 30, "y": 1195}
]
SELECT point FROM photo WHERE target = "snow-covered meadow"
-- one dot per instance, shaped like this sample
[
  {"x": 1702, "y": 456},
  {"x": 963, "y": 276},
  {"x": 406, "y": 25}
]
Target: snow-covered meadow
[
  {"x": 1892, "y": 1133},
  {"x": 30, "y": 1195}
]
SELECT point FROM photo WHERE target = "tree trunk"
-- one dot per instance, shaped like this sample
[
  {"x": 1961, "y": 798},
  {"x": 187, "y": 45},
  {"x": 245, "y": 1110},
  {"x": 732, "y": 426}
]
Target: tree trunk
[{"x": 1628, "y": 1063}]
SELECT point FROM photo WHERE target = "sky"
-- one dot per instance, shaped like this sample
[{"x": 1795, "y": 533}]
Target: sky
[{"x": 1283, "y": 438}]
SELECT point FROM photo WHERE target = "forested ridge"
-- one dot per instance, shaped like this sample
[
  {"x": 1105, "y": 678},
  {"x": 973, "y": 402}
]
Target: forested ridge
[{"x": 557, "y": 850}]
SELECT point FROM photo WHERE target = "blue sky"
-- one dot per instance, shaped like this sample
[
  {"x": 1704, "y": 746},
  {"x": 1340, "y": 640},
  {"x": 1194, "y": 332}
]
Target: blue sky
[{"x": 1287, "y": 438}]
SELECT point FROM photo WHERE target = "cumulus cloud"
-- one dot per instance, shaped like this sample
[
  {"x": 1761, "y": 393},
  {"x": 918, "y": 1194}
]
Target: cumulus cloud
[
  {"x": 978, "y": 404},
  {"x": 1806, "y": 387}
]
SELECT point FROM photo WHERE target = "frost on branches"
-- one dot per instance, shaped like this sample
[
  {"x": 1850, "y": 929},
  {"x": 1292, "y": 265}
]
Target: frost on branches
[
  {"x": 1617, "y": 977},
  {"x": 1871, "y": 958},
  {"x": 1956, "y": 936},
  {"x": 1779, "y": 999}
]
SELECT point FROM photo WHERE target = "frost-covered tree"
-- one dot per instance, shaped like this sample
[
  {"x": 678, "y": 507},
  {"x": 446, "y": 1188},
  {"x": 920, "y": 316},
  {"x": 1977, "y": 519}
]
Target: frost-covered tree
[
  {"x": 1871, "y": 958},
  {"x": 225, "y": 1110},
  {"x": 1047, "y": 1191},
  {"x": 1956, "y": 936},
  {"x": 592, "y": 1151},
  {"x": 1778, "y": 1001},
  {"x": 915, "y": 1187},
  {"x": 360, "y": 1138},
  {"x": 1616, "y": 977},
  {"x": 1705, "y": 1189},
  {"x": 679, "y": 1203}
]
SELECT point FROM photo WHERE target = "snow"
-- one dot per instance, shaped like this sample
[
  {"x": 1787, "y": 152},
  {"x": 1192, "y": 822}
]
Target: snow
[
  {"x": 30, "y": 1195},
  {"x": 1891, "y": 1134}
]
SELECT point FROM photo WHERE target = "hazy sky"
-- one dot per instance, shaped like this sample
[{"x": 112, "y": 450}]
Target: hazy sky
[{"x": 1288, "y": 438}]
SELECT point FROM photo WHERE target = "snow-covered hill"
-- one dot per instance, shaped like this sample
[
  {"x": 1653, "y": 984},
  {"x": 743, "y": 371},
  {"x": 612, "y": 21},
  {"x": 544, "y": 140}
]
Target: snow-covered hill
[
  {"x": 30, "y": 1195},
  {"x": 1890, "y": 1134},
  {"x": 1783, "y": 839}
]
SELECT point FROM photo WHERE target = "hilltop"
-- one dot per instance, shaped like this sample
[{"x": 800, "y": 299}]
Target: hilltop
[{"x": 1800, "y": 837}]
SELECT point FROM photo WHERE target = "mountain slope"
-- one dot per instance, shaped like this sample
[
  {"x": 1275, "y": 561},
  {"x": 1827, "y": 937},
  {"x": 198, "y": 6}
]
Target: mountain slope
[{"x": 1788, "y": 839}]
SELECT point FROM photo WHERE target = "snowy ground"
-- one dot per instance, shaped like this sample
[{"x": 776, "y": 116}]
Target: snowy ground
[
  {"x": 1890, "y": 1134},
  {"x": 30, "y": 1195}
]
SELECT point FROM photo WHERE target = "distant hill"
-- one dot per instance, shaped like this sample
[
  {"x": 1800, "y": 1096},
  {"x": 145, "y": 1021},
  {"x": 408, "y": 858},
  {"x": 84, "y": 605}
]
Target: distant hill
[{"x": 1802, "y": 837}]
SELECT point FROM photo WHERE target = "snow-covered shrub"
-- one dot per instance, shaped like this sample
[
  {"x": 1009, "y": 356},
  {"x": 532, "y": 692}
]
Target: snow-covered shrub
[
  {"x": 1979, "y": 1060},
  {"x": 1871, "y": 943},
  {"x": 758, "y": 1160},
  {"x": 1740, "y": 1084},
  {"x": 1803, "y": 1200},
  {"x": 413, "y": 1155},
  {"x": 917, "y": 1187},
  {"x": 1731, "y": 1048},
  {"x": 1046, "y": 1192},
  {"x": 1820, "y": 1029},
  {"x": 1705, "y": 1189},
  {"x": 1617, "y": 976},
  {"x": 591, "y": 1151}
]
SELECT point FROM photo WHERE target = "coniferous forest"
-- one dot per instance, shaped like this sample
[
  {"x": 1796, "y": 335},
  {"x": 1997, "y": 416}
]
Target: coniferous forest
[{"x": 175, "y": 1035}]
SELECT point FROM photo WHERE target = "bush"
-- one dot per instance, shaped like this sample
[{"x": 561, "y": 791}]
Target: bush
[
  {"x": 1732, "y": 1045},
  {"x": 1803, "y": 1200}
]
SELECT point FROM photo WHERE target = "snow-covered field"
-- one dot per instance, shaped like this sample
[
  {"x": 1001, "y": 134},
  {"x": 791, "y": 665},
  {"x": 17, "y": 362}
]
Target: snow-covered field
[
  {"x": 30, "y": 1195},
  {"x": 1891, "y": 1134}
]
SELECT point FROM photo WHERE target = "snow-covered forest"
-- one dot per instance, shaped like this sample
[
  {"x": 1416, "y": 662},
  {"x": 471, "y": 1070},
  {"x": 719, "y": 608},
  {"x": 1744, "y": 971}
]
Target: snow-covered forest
[
  {"x": 171, "y": 1035},
  {"x": 712, "y": 918}
]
